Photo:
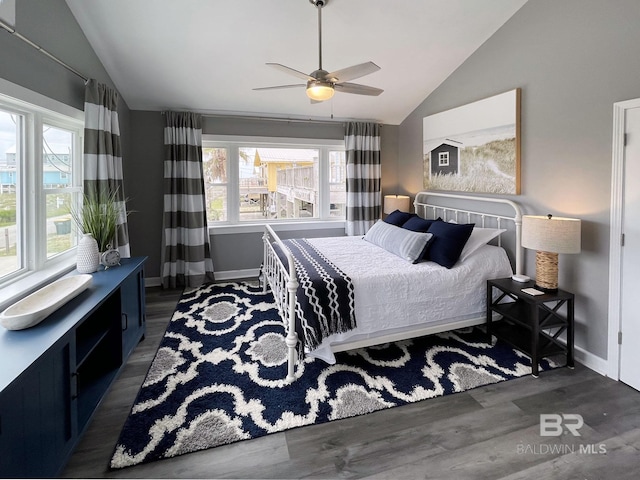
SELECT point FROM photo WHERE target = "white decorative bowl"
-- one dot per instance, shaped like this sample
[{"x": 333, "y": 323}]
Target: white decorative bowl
[{"x": 34, "y": 308}]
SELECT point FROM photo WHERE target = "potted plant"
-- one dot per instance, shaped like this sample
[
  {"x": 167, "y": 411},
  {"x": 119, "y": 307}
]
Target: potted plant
[
  {"x": 98, "y": 216},
  {"x": 96, "y": 220}
]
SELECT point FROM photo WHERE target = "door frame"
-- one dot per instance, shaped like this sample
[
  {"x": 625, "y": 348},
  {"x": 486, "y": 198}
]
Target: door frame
[{"x": 615, "y": 237}]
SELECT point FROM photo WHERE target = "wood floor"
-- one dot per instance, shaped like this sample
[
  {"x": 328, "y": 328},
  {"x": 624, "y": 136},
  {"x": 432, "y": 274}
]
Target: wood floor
[{"x": 490, "y": 432}]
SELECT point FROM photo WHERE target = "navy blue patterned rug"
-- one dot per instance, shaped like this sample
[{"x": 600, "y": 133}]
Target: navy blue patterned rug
[{"x": 218, "y": 376}]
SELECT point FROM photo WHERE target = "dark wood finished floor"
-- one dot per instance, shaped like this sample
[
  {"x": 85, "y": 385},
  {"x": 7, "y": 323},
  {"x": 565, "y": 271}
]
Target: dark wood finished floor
[{"x": 491, "y": 432}]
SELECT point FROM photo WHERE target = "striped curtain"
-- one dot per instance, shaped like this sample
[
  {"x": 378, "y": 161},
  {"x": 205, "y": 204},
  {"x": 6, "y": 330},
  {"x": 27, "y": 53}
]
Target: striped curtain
[
  {"x": 186, "y": 257},
  {"x": 364, "y": 204},
  {"x": 103, "y": 155}
]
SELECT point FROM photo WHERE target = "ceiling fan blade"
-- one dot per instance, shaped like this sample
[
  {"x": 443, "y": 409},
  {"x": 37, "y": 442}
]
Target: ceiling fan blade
[
  {"x": 291, "y": 71},
  {"x": 357, "y": 89},
  {"x": 297, "y": 85},
  {"x": 353, "y": 72}
]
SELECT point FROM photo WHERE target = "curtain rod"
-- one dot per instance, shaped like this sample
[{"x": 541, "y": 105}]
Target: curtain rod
[
  {"x": 278, "y": 119},
  {"x": 13, "y": 32},
  {"x": 275, "y": 119}
]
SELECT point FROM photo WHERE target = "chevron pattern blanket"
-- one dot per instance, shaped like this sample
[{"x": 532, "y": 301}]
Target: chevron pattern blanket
[{"x": 325, "y": 301}]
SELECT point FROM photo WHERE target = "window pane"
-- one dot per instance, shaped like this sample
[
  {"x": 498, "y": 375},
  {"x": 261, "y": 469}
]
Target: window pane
[
  {"x": 57, "y": 180},
  {"x": 57, "y": 151},
  {"x": 60, "y": 234},
  {"x": 214, "y": 166},
  {"x": 10, "y": 160},
  {"x": 278, "y": 183},
  {"x": 337, "y": 184},
  {"x": 216, "y": 203}
]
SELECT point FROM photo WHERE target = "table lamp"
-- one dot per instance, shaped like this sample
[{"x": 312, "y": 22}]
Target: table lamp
[
  {"x": 396, "y": 202},
  {"x": 549, "y": 236}
]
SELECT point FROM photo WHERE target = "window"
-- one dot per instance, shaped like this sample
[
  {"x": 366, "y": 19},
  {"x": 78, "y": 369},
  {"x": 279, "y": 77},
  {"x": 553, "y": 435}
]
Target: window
[
  {"x": 34, "y": 202},
  {"x": 257, "y": 181},
  {"x": 443, "y": 159}
]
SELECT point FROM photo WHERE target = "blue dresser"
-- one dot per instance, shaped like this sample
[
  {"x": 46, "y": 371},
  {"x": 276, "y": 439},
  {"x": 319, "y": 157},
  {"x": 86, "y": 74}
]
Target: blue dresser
[{"x": 54, "y": 375}]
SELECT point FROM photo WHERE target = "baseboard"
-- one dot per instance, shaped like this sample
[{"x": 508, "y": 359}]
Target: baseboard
[
  {"x": 589, "y": 360},
  {"x": 226, "y": 275},
  {"x": 237, "y": 274},
  {"x": 152, "y": 282}
]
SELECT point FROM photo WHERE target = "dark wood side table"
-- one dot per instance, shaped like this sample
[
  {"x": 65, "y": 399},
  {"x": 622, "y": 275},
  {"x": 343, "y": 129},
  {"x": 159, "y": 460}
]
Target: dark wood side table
[{"x": 531, "y": 323}]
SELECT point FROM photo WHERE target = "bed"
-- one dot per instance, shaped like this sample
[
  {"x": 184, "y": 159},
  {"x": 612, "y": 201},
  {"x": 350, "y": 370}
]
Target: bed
[{"x": 391, "y": 297}]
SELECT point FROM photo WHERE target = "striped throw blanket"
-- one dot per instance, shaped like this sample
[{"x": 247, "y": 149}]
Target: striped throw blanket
[{"x": 325, "y": 301}]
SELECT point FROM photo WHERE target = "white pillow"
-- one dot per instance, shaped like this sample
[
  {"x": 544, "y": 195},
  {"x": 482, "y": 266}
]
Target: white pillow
[
  {"x": 479, "y": 237},
  {"x": 406, "y": 244}
]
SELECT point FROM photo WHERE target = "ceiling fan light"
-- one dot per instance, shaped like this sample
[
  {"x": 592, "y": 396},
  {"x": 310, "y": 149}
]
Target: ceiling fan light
[{"x": 319, "y": 91}]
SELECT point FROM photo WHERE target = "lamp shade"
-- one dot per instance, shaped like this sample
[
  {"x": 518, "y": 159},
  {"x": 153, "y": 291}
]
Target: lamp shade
[
  {"x": 547, "y": 233},
  {"x": 396, "y": 202}
]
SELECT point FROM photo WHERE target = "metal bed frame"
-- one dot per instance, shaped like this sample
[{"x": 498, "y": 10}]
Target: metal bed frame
[{"x": 283, "y": 281}]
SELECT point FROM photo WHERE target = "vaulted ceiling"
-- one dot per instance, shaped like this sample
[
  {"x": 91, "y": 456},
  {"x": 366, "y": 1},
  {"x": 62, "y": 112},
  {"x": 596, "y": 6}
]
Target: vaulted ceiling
[{"x": 209, "y": 55}]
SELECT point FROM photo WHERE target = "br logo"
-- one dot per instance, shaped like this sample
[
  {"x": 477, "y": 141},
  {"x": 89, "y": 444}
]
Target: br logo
[{"x": 554, "y": 424}]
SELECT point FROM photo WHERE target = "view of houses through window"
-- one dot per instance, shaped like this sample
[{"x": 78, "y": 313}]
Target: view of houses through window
[
  {"x": 60, "y": 191},
  {"x": 258, "y": 183}
]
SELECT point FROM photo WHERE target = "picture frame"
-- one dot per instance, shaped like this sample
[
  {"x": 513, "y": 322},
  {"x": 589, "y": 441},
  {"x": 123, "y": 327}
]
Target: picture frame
[
  {"x": 475, "y": 147},
  {"x": 8, "y": 12}
]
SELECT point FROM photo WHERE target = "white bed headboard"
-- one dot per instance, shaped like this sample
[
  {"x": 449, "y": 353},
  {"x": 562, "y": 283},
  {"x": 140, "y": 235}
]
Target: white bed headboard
[{"x": 426, "y": 207}]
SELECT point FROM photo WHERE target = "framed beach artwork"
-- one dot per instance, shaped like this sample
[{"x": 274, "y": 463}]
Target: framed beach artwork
[{"x": 475, "y": 147}]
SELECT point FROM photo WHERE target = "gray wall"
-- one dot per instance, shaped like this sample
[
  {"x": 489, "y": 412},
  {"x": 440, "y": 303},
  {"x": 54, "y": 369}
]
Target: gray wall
[{"x": 572, "y": 59}]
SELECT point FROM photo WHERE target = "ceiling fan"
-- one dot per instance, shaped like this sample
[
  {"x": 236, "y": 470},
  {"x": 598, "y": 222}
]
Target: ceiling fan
[{"x": 321, "y": 85}]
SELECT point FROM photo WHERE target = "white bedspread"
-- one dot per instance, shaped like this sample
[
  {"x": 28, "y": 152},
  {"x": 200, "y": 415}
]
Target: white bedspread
[{"x": 392, "y": 295}]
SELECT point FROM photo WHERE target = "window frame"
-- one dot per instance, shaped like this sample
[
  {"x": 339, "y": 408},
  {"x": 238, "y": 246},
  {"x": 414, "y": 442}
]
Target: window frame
[
  {"x": 233, "y": 143},
  {"x": 443, "y": 159},
  {"x": 38, "y": 110}
]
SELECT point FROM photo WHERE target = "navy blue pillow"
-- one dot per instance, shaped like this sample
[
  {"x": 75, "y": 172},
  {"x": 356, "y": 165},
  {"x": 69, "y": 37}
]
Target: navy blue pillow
[
  {"x": 448, "y": 241},
  {"x": 419, "y": 224},
  {"x": 398, "y": 218}
]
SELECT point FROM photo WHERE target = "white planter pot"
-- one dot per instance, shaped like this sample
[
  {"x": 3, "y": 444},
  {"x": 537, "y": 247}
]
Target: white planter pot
[{"x": 88, "y": 255}]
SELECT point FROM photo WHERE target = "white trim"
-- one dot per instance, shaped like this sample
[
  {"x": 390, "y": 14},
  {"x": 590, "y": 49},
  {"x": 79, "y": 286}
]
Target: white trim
[
  {"x": 237, "y": 274},
  {"x": 13, "y": 91},
  {"x": 229, "y": 229},
  {"x": 152, "y": 282},
  {"x": 589, "y": 360},
  {"x": 222, "y": 275},
  {"x": 615, "y": 249},
  {"x": 443, "y": 159},
  {"x": 232, "y": 144}
]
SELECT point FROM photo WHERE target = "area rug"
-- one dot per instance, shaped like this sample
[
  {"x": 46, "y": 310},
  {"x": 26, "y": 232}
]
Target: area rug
[{"x": 218, "y": 376}]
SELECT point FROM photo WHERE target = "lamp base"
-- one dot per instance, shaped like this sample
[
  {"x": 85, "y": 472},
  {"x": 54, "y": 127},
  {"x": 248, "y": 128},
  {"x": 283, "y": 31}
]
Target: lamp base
[
  {"x": 544, "y": 289},
  {"x": 547, "y": 271}
]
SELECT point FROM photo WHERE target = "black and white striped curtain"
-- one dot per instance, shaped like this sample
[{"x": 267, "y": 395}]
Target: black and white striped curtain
[
  {"x": 103, "y": 154},
  {"x": 186, "y": 257},
  {"x": 364, "y": 200}
]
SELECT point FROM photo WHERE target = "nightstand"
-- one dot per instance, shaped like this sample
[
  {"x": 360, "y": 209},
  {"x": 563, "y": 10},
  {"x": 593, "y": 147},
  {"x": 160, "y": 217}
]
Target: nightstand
[{"x": 531, "y": 323}]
